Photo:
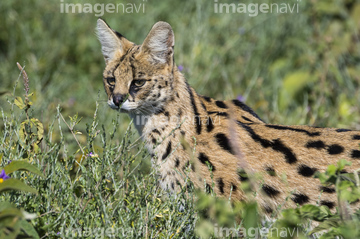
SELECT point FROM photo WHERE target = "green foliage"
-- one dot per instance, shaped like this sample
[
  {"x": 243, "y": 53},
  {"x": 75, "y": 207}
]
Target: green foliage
[
  {"x": 22, "y": 165},
  {"x": 15, "y": 184},
  {"x": 347, "y": 185},
  {"x": 293, "y": 85},
  {"x": 13, "y": 221}
]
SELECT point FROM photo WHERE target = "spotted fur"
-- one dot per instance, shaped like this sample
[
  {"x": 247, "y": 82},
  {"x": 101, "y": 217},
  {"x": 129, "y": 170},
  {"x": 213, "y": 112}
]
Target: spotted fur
[{"x": 231, "y": 141}]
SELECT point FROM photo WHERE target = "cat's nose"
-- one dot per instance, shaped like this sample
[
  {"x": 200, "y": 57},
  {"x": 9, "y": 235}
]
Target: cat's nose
[{"x": 118, "y": 99}]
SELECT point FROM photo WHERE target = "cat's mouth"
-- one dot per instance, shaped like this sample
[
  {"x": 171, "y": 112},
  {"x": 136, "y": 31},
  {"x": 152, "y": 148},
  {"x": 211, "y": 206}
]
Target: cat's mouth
[
  {"x": 124, "y": 107},
  {"x": 134, "y": 108}
]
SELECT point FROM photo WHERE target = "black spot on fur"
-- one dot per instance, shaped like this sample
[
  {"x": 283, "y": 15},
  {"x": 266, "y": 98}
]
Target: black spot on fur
[
  {"x": 246, "y": 108},
  {"x": 329, "y": 204},
  {"x": 177, "y": 162},
  {"x": 166, "y": 113},
  {"x": 279, "y": 127},
  {"x": 234, "y": 187},
  {"x": 172, "y": 185},
  {"x": 335, "y": 149},
  {"x": 203, "y": 106},
  {"x": 166, "y": 83},
  {"x": 208, "y": 189},
  {"x": 177, "y": 95},
  {"x": 222, "y": 114},
  {"x": 276, "y": 144},
  {"x": 153, "y": 140},
  {"x": 315, "y": 144},
  {"x": 209, "y": 125},
  {"x": 123, "y": 56},
  {"x": 300, "y": 198},
  {"x": 270, "y": 171},
  {"x": 159, "y": 86},
  {"x": 280, "y": 147},
  {"x": 190, "y": 186},
  {"x": 187, "y": 165},
  {"x": 219, "y": 113},
  {"x": 221, "y": 104},
  {"x": 270, "y": 191},
  {"x": 356, "y": 137},
  {"x": 306, "y": 171},
  {"x": 243, "y": 177},
  {"x": 196, "y": 113},
  {"x": 180, "y": 112},
  {"x": 156, "y": 131},
  {"x": 205, "y": 160},
  {"x": 208, "y": 99},
  {"x": 327, "y": 189},
  {"x": 355, "y": 153},
  {"x": 343, "y": 130},
  {"x": 182, "y": 132},
  {"x": 168, "y": 151},
  {"x": 223, "y": 142},
  {"x": 268, "y": 209},
  {"x": 221, "y": 185},
  {"x": 247, "y": 119}
]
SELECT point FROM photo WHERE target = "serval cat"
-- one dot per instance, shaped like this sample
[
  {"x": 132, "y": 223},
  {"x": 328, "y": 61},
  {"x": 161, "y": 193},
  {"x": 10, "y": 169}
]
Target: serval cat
[{"x": 212, "y": 140}]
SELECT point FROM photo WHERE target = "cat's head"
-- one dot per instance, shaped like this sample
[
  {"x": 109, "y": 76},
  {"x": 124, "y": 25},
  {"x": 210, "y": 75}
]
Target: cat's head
[{"x": 138, "y": 78}]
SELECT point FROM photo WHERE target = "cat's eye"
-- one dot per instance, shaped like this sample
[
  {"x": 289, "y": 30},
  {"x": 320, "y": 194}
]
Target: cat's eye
[
  {"x": 111, "y": 81},
  {"x": 139, "y": 83}
]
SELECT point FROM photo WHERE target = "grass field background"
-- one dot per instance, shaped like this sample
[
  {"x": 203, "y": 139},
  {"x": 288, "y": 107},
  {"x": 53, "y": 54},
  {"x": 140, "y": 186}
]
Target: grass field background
[{"x": 291, "y": 68}]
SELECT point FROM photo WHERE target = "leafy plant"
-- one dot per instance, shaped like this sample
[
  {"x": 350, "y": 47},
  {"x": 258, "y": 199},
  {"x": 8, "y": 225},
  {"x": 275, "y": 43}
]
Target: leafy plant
[
  {"x": 27, "y": 133},
  {"x": 13, "y": 221}
]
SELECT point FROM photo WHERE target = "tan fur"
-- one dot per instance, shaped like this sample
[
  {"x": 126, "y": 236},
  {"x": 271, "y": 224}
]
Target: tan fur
[{"x": 186, "y": 133}]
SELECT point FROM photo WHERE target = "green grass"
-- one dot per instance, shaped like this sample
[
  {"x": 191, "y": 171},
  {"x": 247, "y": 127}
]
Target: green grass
[{"x": 291, "y": 68}]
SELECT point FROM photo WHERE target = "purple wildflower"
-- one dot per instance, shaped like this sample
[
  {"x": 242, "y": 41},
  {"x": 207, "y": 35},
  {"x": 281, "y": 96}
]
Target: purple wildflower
[
  {"x": 92, "y": 155},
  {"x": 181, "y": 68},
  {"x": 3, "y": 176},
  {"x": 241, "y": 98}
]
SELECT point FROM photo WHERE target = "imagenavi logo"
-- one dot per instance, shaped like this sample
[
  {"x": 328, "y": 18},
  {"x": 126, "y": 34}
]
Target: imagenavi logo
[{"x": 253, "y": 9}]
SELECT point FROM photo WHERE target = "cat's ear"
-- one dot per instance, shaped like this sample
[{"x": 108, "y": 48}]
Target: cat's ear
[
  {"x": 113, "y": 44},
  {"x": 159, "y": 43}
]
